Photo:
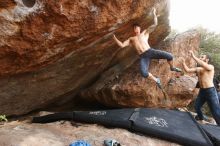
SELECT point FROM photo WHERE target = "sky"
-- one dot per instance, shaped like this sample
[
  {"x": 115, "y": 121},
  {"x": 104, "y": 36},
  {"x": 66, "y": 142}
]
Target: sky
[{"x": 186, "y": 14}]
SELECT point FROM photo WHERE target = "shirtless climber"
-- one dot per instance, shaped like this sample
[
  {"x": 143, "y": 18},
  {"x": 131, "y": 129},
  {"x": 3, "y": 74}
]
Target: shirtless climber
[
  {"x": 207, "y": 92},
  {"x": 146, "y": 53}
]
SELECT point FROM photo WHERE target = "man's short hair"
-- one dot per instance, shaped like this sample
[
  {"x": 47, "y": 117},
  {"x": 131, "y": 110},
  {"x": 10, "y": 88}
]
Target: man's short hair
[
  {"x": 208, "y": 57},
  {"x": 136, "y": 25}
]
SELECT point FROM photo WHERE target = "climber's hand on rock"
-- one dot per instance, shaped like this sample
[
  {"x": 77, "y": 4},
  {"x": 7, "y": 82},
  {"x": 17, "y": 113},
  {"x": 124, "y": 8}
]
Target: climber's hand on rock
[
  {"x": 182, "y": 60},
  {"x": 191, "y": 53},
  {"x": 154, "y": 10}
]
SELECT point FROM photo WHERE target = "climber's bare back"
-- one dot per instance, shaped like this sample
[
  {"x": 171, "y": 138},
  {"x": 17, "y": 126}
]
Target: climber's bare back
[{"x": 140, "y": 42}]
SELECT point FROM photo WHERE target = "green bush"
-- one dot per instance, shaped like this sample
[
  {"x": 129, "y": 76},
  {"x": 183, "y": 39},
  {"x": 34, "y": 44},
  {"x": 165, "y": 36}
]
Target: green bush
[
  {"x": 3, "y": 118},
  {"x": 210, "y": 44}
]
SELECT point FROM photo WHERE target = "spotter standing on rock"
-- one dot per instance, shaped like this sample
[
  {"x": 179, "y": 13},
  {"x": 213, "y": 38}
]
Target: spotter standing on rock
[
  {"x": 207, "y": 91},
  {"x": 146, "y": 53}
]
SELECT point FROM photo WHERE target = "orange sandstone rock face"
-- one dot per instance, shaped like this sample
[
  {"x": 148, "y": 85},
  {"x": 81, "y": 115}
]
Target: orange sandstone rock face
[
  {"x": 130, "y": 89},
  {"x": 6, "y": 4},
  {"x": 50, "y": 50},
  {"x": 35, "y": 33}
]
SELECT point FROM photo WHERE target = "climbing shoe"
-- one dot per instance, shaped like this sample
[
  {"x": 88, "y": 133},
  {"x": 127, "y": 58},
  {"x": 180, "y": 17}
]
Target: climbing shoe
[
  {"x": 159, "y": 83},
  {"x": 175, "y": 69},
  {"x": 111, "y": 142}
]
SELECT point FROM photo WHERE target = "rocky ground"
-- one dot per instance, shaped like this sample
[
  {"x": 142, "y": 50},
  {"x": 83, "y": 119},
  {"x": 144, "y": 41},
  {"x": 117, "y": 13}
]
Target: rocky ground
[{"x": 22, "y": 132}]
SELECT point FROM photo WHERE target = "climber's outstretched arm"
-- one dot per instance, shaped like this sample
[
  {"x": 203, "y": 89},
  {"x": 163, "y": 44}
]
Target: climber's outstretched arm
[
  {"x": 152, "y": 27},
  {"x": 122, "y": 45},
  {"x": 190, "y": 70}
]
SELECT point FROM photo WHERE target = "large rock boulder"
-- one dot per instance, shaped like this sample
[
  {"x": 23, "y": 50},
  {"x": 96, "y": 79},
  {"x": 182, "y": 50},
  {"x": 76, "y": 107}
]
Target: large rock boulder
[
  {"x": 130, "y": 89},
  {"x": 50, "y": 50}
]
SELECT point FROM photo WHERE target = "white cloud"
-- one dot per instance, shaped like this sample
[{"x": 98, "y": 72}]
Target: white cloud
[{"x": 186, "y": 14}]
